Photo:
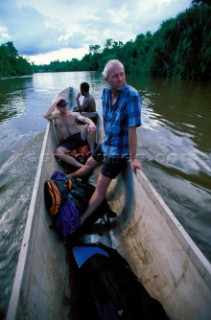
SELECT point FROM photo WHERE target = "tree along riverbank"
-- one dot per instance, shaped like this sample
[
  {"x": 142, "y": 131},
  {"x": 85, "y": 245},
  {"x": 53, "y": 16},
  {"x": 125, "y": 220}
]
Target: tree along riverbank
[
  {"x": 181, "y": 47},
  {"x": 11, "y": 64}
]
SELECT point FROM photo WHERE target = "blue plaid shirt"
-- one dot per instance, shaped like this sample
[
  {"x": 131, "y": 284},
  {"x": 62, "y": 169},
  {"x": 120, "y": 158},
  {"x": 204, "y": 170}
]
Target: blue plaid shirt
[{"x": 125, "y": 113}]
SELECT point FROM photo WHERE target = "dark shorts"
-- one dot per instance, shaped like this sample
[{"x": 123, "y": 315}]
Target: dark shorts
[
  {"x": 111, "y": 165},
  {"x": 72, "y": 142}
]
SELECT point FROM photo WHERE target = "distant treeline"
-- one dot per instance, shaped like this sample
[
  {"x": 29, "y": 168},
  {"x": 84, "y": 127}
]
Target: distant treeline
[
  {"x": 181, "y": 47},
  {"x": 11, "y": 64}
]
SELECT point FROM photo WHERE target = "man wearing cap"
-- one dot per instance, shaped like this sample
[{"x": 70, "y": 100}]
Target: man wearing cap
[{"x": 67, "y": 126}]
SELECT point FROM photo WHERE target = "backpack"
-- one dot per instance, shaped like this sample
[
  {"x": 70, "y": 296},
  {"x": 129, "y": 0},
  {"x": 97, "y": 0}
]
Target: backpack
[
  {"x": 59, "y": 188},
  {"x": 108, "y": 289},
  {"x": 66, "y": 199},
  {"x": 55, "y": 192}
]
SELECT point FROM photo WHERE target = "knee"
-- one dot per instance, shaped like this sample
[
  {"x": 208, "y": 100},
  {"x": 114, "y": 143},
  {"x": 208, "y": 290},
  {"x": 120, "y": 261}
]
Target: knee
[
  {"x": 88, "y": 167},
  {"x": 58, "y": 151},
  {"x": 85, "y": 129},
  {"x": 84, "y": 132}
]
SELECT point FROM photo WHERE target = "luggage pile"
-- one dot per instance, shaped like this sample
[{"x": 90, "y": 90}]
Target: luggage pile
[{"x": 106, "y": 287}]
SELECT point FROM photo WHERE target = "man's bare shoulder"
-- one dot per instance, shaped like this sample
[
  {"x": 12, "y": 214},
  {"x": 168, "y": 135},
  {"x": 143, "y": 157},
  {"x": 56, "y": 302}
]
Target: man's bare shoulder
[
  {"x": 74, "y": 114},
  {"x": 54, "y": 115},
  {"x": 58, "y": 115},
  {"x": 69, "y": 114}
]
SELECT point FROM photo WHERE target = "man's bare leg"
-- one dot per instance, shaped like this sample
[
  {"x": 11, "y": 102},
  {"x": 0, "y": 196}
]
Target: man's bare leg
[
  {"x": 97, "y": 197},
  {"x": 90, "y": 137},
  {"x": 86, "y": 169},
  {"x": 61, "y": 153}
]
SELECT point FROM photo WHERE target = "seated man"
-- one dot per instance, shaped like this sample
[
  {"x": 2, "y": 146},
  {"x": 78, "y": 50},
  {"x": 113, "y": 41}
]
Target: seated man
[
  {"x": 68, "y": 129},
  {"x": 88, "y": 104}
]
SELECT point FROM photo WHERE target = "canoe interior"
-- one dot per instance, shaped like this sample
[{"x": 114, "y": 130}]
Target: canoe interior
[{"x": 162, "y": 255}]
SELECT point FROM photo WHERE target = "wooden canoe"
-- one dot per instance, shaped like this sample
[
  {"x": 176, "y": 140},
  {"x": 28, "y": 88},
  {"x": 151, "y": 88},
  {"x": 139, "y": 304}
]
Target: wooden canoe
[{"x": 146, "y": 233}]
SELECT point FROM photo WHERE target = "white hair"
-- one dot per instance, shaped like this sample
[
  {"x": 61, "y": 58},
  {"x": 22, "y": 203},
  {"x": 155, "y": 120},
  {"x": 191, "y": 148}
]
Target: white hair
[{"x": 109, "y": 65}]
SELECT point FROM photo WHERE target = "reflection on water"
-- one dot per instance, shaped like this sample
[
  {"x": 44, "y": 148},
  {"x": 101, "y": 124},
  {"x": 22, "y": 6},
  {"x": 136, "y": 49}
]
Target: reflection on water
[
  {"x": 174, "y": 142},
  {"x": 173, "y": 145},
  {"x": 177, "y": 116},
  {"x": 12, "y": 97}
]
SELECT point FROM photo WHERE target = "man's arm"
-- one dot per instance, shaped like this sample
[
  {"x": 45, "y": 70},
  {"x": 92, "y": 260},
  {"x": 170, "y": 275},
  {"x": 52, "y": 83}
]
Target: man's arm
[
  {"x": 78, "y": 108},
  {"x": 91, "y": 125},
  {"x": 86, "y": 102},
  {"x": 134, "y": 163},
  {"x": 49, "y": 112}
]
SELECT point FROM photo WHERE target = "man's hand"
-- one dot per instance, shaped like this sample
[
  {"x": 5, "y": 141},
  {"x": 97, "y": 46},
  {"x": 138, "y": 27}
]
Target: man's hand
[
  {"x": 52, "y": 108},
  {"x": 78, "y": 95},
  {"x": 135, "y": 164},
  {"x": 91, "y": 127}
]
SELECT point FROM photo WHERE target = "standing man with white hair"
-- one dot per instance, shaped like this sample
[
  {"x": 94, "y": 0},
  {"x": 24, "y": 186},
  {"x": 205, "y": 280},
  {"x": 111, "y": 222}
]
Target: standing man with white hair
[{"x": 121, "y": 116}]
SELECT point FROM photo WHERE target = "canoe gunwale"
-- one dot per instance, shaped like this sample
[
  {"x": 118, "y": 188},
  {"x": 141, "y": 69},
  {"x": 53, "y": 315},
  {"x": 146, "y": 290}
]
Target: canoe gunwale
[
  {"x": 24, "y": 250},
  {"x": 195, "y": 254}
]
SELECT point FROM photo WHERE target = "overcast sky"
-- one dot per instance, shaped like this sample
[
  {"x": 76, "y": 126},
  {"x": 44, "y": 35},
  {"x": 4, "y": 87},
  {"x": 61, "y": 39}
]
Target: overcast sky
[{"x": 46, "y": 30}]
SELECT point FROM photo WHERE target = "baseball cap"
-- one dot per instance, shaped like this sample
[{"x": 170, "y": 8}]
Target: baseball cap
[{"x": 62, "y": 103}]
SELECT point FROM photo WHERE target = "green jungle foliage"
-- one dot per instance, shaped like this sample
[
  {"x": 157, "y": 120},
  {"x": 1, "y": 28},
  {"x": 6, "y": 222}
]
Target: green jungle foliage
[
  {"x": 11, "y": 64},
  {"x": 181, "y": 47}
]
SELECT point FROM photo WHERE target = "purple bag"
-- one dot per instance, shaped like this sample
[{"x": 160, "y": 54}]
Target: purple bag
[
  {"x": 68, "y": 219},
  {"x": 73, "y": 206}
]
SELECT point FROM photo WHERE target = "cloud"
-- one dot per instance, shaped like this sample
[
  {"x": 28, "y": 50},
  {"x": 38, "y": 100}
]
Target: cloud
[
  {"x": 34, "y": 33},
  {"x": 4, "y": 33},
  {"x": 40, "y": 27}
]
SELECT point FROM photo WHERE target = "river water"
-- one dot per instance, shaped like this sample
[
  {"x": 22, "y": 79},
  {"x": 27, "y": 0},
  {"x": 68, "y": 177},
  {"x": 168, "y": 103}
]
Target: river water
[{"x": 173, "y": 146}]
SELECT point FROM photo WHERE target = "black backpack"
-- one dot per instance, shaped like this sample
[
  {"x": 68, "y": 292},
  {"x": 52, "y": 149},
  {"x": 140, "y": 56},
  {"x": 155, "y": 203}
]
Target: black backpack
[{"x": 108, "y": 289}]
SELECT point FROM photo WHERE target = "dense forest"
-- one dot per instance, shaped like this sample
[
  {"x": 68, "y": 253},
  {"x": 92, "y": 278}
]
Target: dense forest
[
  {"x": 11, "y": 64},
  {"x": 181, "y": 47}
]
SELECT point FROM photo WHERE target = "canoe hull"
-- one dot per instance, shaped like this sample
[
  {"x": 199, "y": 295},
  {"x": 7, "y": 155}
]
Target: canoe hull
[
  {"x": 162, "y": 255},
  {"x": 160, "y": 252}
]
